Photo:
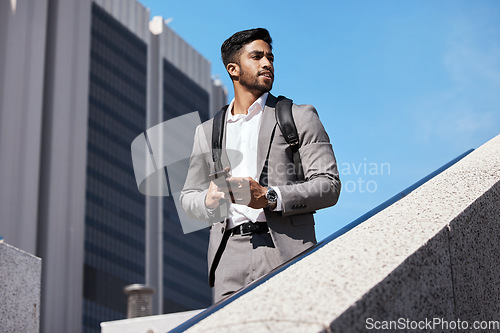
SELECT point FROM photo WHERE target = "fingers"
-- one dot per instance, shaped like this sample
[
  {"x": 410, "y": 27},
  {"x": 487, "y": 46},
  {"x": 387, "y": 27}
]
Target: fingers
[
  {"x": 238, "y": 182},
  {"x": 214, "y": 195},
  {"x": 239, "y": 190},
  {"x": 246, "y": 191},
  {"x": 217, "y": 195},
  {"x": 238, "y": 187},
  {"x": 234, "y": 179}
]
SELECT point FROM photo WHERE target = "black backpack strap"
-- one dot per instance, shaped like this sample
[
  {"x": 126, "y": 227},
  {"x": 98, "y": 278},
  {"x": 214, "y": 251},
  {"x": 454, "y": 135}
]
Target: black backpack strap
[
  {"x": 284, "y": 117},
  {"x": 217, "y": 135}
]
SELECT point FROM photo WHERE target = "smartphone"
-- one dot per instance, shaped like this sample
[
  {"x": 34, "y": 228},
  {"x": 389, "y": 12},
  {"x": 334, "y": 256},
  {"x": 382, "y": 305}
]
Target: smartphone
[{"x": 219, "y": 178}]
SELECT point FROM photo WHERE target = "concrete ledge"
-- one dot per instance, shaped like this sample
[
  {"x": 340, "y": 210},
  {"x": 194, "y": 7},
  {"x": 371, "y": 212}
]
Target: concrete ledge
[
  {"x": 149, "y": 324},
  {"x": 455, "y": 275},
  {"x": 20, "y": 279},
  {"x": 475, "y": 258},
  {"x": 433, "y": 254}
]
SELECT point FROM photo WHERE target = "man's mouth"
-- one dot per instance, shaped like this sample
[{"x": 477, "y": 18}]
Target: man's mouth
[{"x": 268, "y": 75}]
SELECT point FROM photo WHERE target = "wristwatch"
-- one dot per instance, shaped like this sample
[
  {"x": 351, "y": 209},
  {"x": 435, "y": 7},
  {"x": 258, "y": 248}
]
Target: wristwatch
[{"x": 272, "y": 198}]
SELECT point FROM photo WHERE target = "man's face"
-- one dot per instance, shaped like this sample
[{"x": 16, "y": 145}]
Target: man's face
[{"x": 256, "y": 67}]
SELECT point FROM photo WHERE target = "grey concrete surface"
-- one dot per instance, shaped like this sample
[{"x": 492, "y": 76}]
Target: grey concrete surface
[
  {"x": 433, "y": 254},
  {"x": 150, "y": 324},
  {"x": 474, "y": 252},
  {"x": 20, "y": 280}
]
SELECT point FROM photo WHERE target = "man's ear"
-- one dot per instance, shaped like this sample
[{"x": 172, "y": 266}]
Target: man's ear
[{"x": 234, "y": 70}]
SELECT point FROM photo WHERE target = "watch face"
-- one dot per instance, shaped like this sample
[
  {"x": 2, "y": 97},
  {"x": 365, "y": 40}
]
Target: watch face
[{"x": 271, "y": 195}]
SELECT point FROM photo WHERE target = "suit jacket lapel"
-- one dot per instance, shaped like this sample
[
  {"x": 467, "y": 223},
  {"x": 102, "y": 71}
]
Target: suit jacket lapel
[{"x": 267, "y": 125}]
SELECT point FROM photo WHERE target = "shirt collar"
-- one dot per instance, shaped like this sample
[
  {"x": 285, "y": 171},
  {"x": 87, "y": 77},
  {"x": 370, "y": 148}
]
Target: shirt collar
[{"x": 255, "y": 108}]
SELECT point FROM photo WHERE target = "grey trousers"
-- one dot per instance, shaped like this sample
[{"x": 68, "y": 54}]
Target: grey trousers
[{"x": 245, "y": 259}]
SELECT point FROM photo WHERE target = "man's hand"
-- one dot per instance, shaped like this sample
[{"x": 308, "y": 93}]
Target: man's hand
[
  {"x": 214, "y": 195},
  {"x": 246, "y": 191}
]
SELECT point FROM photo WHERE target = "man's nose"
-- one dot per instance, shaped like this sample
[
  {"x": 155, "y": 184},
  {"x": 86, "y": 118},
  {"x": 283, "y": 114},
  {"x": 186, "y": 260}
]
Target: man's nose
[{"x": 266, "y": 63}]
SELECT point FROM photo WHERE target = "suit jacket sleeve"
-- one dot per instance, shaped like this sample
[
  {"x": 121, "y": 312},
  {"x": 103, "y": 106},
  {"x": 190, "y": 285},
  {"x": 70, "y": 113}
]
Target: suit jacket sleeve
[
  {"x": 322, "y": 184},
  {"x": 196, "y": 186}
]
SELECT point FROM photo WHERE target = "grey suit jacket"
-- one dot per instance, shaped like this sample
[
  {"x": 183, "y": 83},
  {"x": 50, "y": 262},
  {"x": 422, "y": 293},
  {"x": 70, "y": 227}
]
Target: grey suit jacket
[{"x": 292, "y": 229}]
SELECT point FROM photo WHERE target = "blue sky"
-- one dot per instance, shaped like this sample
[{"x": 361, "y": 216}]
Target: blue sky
[{"x": 402, "y": 87}]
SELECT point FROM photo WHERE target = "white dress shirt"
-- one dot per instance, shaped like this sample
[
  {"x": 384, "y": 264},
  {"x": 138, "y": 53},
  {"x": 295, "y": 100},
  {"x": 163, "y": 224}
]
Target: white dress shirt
[{"x": 242, "y": 135}]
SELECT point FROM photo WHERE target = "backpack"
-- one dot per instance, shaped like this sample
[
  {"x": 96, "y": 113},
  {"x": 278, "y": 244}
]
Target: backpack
[{"x": 285, "y": 121}]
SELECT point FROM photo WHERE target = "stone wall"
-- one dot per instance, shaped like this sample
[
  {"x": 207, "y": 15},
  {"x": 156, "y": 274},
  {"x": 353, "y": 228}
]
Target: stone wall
[{"x": 20, "y": 278}]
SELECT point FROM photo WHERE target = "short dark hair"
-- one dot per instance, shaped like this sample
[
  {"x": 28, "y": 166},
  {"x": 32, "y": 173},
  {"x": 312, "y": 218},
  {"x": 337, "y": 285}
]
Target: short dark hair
[{"x": 232, "y": 46}]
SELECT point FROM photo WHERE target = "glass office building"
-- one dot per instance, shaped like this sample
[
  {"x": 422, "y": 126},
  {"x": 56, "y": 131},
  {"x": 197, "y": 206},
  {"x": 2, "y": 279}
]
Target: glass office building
[
  {"x": 86, "y": 77},
  {"x": 115, "y": 209}
]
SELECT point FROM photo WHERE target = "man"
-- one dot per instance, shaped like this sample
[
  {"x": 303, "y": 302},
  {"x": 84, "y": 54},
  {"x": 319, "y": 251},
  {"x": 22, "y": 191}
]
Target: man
[{"x": 270, "y": 214}]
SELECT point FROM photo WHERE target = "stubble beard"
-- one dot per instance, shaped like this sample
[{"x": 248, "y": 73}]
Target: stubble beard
[{"x": 253, "y": 84}]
